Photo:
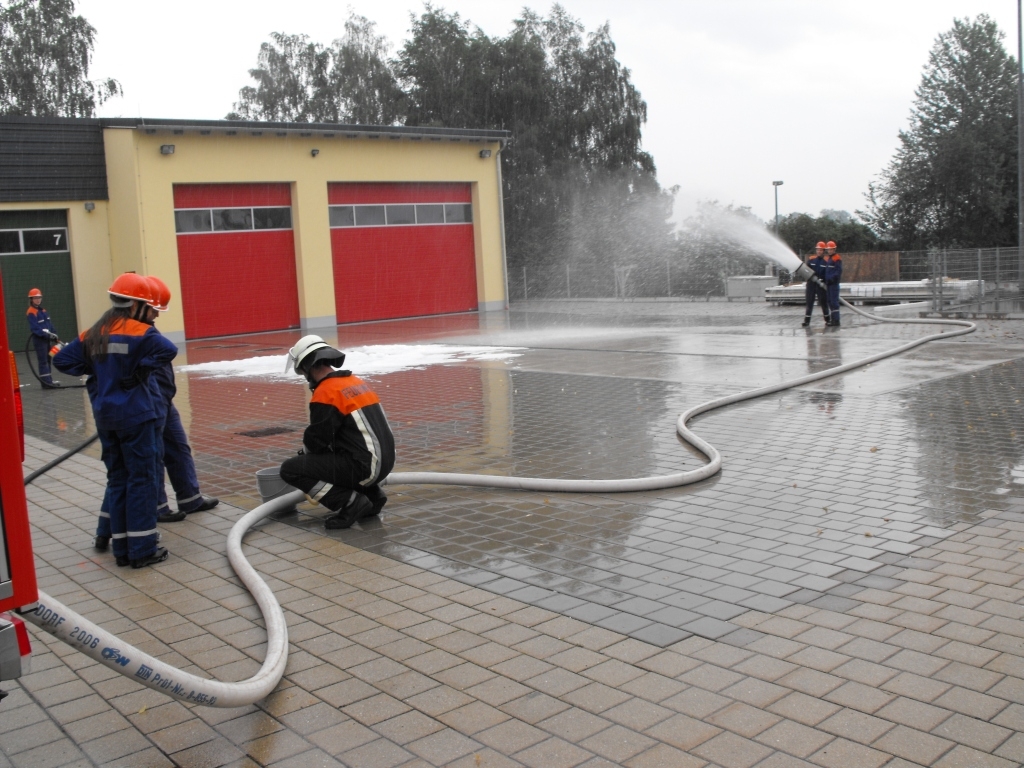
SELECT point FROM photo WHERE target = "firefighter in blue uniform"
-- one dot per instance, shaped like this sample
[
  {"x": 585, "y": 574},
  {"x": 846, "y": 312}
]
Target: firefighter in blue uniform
[
  {"x": 43, "y": 335},
  {"x": 177, "y": 454},
  {"x": 812, "y": 291},
  {"x": 348, "y": 448},
  {"x": 119, "y": 352},
  {"x": 833, "y": 274}
]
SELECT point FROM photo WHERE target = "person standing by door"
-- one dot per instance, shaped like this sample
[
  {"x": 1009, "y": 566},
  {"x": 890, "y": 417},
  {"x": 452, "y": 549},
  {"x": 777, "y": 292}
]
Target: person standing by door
[{"x": 43, "y": 336}]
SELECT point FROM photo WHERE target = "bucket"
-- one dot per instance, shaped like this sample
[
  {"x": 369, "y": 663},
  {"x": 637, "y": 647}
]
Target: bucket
[{"x": 271, "y": 486}]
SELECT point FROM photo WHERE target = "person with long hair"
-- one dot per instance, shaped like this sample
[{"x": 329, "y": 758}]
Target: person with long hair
[{"x": 118, "y": 353}]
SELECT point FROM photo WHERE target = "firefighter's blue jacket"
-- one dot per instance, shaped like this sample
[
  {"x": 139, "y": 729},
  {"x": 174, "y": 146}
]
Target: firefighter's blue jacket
[
  {"x": 39, "y": 322},
  {"x": 124, "y": 396}
]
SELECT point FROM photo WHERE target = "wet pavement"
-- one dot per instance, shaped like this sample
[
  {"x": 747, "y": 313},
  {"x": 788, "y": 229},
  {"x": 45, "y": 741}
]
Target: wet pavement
[
  {"x": 848, "y": 591},
  {"x": 826, "y": 490}
]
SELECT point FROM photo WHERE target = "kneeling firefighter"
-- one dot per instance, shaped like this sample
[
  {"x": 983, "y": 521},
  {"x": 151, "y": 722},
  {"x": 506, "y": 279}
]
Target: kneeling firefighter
[{"x": 348, "y": 448}]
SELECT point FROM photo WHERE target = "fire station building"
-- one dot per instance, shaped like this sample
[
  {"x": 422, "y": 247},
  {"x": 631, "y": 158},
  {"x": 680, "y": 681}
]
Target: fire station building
[{"x": 254, "y": 226}]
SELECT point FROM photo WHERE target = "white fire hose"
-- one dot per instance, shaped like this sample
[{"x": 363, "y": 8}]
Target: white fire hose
[
  {"x": 714, "y": 457},
  {"x": 108, "y": 649}
]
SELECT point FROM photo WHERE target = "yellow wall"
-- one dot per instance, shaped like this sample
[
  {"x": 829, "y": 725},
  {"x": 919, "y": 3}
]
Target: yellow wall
[
  {"x": 89, "y": 243},
  {"x": 141, "y": 184}
]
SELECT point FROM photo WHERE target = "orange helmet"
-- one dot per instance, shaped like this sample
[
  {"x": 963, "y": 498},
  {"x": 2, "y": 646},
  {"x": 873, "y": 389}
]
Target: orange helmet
[
  {"x": 821, "y": 244},
  {"x": 130, "y": 287},
  {"x": 831, "y": 244},
  {"x": 161, "y": 294},
  {"x": 35, "y": 293}
]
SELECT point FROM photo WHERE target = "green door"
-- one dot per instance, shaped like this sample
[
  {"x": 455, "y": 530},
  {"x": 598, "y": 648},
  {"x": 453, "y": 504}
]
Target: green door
[{"x": 34, "y": 253}]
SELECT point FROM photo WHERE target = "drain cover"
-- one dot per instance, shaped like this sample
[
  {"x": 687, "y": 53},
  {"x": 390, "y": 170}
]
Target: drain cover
[{"x": 266, "y": 432}]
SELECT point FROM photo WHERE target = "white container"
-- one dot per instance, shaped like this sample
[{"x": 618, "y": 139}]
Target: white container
[{"x": 271, "y": 486}]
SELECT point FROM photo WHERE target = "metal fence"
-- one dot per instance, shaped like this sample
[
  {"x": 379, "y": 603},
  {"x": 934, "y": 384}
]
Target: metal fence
[
  {"x": 944, "y": 277},
  {"x": 983, "y": 278}
]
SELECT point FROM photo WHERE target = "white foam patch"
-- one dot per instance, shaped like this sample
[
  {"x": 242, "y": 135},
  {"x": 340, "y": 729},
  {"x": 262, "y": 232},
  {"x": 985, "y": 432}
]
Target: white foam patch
[{"x": 363, "y": 361}]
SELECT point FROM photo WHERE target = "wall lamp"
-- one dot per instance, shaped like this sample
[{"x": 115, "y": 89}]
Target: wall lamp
[
  {"x": 314, "y": 152},
  {"x": 166, "y": 149},
  {"x": 485, "y": 153},
  {"x": 90, "y": 207}
]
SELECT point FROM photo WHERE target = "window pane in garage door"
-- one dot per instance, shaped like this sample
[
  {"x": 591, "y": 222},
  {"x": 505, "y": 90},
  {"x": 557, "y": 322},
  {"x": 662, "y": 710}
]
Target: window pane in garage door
[
  {"x": 430, "y": 214},
  {"x": 272, "y": 218},
  {"x": 370, "y": 215},
  {"x": 342, "y": 216},
  {"x": 462, "y": 214},
  {"x": 192, "y": 221},
  {"x": 232, "y": 219},
  {"x": 401, "y": 214}
]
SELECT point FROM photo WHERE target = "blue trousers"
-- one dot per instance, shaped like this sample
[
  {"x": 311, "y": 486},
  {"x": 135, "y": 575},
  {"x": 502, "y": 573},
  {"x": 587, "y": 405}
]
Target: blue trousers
[
  {"x": 132, "y": 458},
  {"x": 43, "y": 356},
  {"x": 176, "y": 458},
  {"x": 813, "y": 293},
  {"x": 833, "y": 301}
]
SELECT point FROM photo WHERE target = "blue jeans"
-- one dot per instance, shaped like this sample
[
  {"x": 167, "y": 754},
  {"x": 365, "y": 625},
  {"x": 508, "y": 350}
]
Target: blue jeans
[{"x": 132, "y": 458}]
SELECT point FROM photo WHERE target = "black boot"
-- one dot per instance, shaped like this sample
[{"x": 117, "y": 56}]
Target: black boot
[
  {"x": 208, "y": 502},
  {"x": 358, "y": 506},
  {"x": 122, "y": 561},
  {"x": 377, "y": 498},
  {"x": 159, "y": 555},
  {"x": 806, "y": 322},
  {"x": 100, "y": 543},
  {"x": 170, "y": 517}
]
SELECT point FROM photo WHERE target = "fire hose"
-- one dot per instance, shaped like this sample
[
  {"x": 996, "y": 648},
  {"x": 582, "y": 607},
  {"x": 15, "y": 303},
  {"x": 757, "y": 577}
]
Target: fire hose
[{"x": 106, "y": 648}]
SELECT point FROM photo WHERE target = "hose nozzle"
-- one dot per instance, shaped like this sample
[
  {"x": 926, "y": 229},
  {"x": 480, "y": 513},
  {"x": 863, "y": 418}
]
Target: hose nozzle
[{"x": 803, "y": 272}]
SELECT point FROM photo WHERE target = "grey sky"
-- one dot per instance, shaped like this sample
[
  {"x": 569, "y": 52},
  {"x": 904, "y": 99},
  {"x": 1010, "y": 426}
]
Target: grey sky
[{"x": 739, "y": 92}]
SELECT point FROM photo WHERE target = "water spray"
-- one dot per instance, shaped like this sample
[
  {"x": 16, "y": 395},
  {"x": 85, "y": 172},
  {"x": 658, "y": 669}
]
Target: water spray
[{"x": 59, "y": 620}]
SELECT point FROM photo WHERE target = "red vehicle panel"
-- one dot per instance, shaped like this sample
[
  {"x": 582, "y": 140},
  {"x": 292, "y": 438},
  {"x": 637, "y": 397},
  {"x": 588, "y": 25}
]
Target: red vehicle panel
[{"x": 16, "y": 536}]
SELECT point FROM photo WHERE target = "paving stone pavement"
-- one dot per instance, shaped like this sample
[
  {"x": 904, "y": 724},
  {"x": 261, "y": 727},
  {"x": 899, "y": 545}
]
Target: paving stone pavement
[{"x": 734, "y": 623}]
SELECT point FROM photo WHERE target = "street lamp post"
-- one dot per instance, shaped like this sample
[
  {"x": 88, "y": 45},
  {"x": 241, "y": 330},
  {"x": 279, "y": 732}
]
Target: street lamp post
[{"x": 776, "y": 184}]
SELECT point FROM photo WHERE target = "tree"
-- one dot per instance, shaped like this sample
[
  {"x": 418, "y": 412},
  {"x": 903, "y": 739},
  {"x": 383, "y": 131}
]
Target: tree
[
  {"x": 45, "y": 53},
  {"x": 298, "y": 80},
  {"x": 801, "y": 232},
  {"x": 953, "y": 180}
]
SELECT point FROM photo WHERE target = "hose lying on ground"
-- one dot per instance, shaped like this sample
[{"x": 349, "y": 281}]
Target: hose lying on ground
[
  {"x": 28, "y": 361},
  {"x": 714, "y": 457},
  {"x": 60, "y": 459},
  {"x": 108, "y": 649}
]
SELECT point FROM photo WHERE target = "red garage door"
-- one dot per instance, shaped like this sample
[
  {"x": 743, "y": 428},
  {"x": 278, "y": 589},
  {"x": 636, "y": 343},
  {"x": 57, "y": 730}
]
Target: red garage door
[
  {"x": 402, "y": 250},
  {"x": 236, "y": 254}
]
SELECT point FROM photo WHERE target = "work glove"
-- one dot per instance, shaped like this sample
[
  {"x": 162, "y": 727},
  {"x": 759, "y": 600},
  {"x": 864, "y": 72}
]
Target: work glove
[{"x": 52, "y": 336}]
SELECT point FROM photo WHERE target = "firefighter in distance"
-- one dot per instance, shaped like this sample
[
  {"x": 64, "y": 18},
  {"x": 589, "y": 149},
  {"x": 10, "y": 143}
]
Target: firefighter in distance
[{"x": 43, "y": 336}]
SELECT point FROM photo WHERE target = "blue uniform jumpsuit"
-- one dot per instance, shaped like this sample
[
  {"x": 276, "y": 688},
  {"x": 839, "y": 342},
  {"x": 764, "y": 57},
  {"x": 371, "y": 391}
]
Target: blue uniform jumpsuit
[
  {"x": 833, "y": 274},
  {"x": 127, "y": 419},
  {"x": 813, "y": 292},
  {"x": 42, "y": 333},
  {"x": 176, "y": 456}
]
